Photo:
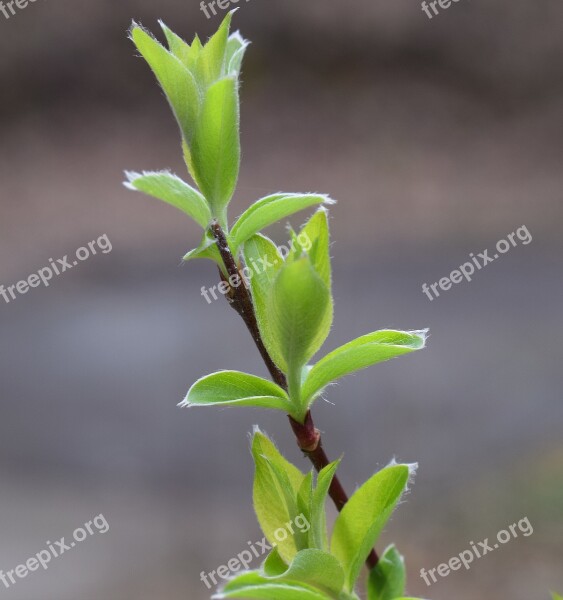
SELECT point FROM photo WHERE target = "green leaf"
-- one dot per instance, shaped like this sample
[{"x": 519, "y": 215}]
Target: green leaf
[
  {"x": 318, "y": 534},
  {"x": 214, "y": 155},
  {"x": 179, "y": 48},
  {"x": 264, "y": 445},
  {"x": 236, "y": 48},
  {"x": 276, "y": 485},
  {"x": 311, "y": 570},
  {"x": 388, "y": 578},
  {"x": 305, "y": 499},
  {"x": 556, "y": 596},
  {"x": 253, "y": 585},
  {"x": 314, "y": 239},
  {"x": 207, "y": 249},
  {"x": 264, "y": 262},
  {"x": 316, "y": 568},
  {"x": 171, "y": 189},
  {"x": 177, "y": 82},
  {"x": 233, "y": 388},
  {"x": 211, "y": 64},
  {"x": 362, "y": 519},
  {"x": 274, "y": 564},
  {"x": 192, "y": 57},
  {"x": 300, "y": 308},
  {"x": 359, "y": 354},
  {"x": 269, "y": 210}
]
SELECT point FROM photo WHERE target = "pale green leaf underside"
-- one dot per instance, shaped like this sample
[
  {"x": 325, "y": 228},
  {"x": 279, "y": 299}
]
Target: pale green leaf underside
[
  {"x": 364, "y": 516},
  {"x": 236, "y": 48},
  {"x": 360, "y": 353},
  {"x": 270, "y": 210},
  {"x": 174, "y": 191},
  {"x": 233, "y": 388},
  {"x": 388, "y": 578}
]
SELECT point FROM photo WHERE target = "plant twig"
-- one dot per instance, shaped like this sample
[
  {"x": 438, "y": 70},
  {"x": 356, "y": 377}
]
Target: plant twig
[{"x": 308, "y": 436}]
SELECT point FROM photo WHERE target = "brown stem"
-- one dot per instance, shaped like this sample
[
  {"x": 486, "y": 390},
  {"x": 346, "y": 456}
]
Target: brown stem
[{"x": 308, "y": 436}]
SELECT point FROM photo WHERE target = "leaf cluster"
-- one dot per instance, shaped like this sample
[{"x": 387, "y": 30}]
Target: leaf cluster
[{"x": 307, "y": 563}]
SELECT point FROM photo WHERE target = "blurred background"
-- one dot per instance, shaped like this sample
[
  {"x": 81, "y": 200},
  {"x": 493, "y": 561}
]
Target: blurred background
[{"x": 437, "y": 137}]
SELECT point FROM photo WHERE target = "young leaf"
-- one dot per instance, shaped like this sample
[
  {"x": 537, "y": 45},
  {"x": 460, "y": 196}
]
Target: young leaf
[
  {"x": 179, "y": 48},
  {"x": 233, "y": 388},
  {"x": 311, "y": 570},
  {"x": 254, "y": 585},
  {"x": 318, "y": 533},
  {"x": 207, "y": 249},
  {"x": 556, "y": 596},
  {"x": 236, "y": 48},
  {"x": 171, "y": 189},
  {"x": 212, "y": 58},
  {"x": 305, "y": 500},
  {"x": 300, "y": 308},
  {"x": 388, "y": 578},
  {"x": 316, "y": 568},
  {"x": 269, "y": 210},
  {"x": 276, "y": 484},
  {"x": 359, "y": 354},
  {"x": 177, "y": 82},
  {"x": 193, "y": 56},
  {"x": 274, "y": 564},
  {"x": 362, "y": 519},
  {"x": 264, "y": 261},
  {"x": 215, "y": 149},
  {"x": 264, "y": 445},
  {"x": 314, "y": 239}
]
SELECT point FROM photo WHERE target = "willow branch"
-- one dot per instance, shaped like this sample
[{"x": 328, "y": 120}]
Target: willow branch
[{"x": 307, "y": 435}]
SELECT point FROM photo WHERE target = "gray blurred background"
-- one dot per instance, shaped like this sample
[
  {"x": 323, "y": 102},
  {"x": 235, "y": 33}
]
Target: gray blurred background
[{"x": 438, "y": 138}]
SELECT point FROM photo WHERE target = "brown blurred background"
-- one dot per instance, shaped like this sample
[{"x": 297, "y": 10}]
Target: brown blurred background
[{"x": 438, "y": 137}]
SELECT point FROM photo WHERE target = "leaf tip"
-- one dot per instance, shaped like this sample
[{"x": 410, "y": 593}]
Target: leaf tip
[
  {"x": 423, "y": 333},
  {"x": 136, "y": 28},
  {"x": 237, "y": 35},
  {"x": 130, "y": 179}
]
